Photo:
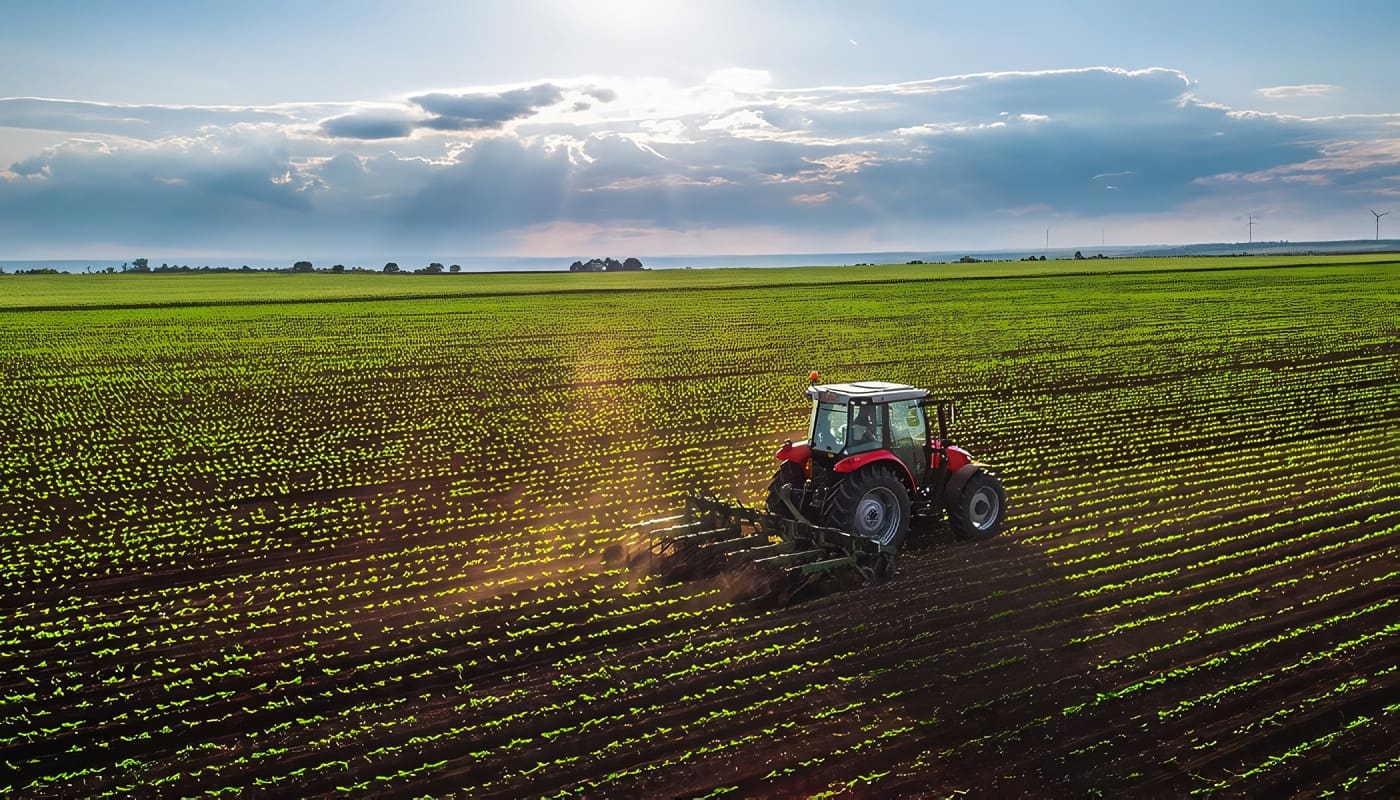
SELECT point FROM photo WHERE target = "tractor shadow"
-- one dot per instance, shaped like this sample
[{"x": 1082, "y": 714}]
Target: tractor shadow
[{"x": 971, "y": 646}]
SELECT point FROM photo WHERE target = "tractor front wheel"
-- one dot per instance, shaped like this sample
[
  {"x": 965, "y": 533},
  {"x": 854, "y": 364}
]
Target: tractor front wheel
[
  {"x": 873, "y": 503},
  {"x": 979, "y": 511}
]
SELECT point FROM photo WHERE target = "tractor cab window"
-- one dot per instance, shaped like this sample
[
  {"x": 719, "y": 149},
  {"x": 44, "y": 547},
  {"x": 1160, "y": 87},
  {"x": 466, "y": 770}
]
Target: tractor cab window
[
  {"x": 828, "y": 427},
  {"x": 837, "y": 427},
  {"x": 866, "y": 429},
  {"x": 907, "y": 426}
]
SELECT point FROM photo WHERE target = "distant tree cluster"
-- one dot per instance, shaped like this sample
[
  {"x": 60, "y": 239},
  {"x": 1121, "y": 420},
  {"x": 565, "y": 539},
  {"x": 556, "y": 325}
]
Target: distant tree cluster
[
  {"x": 606, "y": 265},
  {"x": 144, "y": 265},
  {"x": 1078, "y": 256},
  {"x": 434, "y": 268}
]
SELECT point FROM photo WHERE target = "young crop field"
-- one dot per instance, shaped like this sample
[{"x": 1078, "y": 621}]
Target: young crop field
[{"x": 315, "y": 541}]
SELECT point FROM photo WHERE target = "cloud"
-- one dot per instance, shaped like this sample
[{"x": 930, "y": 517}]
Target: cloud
[
  {"x": 454, "y": 112},
  {"x": 196, "y": 192},
  {"x": 937, "y": 157},
  {"x": 147, "y": 122},
  {"x": 1301, "y": 90},
  {"x": 741, "y": 80},
  {"x": 601, "y": 94},
  {"x": 666, "y": 181},
  {"x": 1343, "y": 163},
  {"x": 747, "y": 120},
  {"x": 369, "y": 125},
  {"x": 476, "y": 111}
]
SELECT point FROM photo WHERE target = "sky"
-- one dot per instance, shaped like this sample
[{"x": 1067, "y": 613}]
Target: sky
[{"x": 626, "y": 128}]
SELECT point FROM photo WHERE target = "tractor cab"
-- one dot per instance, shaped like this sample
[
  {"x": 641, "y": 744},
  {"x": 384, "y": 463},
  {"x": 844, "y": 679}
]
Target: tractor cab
[{"x": 849, "y": 419}]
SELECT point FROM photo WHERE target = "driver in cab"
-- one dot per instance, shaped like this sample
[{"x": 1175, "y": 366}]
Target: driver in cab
[{"x": 863, "y": 428}]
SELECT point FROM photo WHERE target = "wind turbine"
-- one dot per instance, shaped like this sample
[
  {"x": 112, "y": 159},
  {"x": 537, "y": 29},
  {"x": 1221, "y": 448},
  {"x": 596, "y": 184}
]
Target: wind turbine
[
  {"x": 1251, "y": 229},
  {"x": 1378, "y": 214}
]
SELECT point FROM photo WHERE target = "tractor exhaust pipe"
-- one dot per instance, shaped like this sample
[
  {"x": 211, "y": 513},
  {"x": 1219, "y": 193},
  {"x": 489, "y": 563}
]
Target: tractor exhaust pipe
[{"x": 946, "y": 414}]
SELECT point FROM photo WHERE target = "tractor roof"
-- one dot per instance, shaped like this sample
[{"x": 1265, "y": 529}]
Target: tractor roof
[{"x": 864, "y": 392}]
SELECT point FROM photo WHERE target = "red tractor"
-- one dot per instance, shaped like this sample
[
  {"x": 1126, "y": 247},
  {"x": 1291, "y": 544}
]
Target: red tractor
[
  {"x": 871, "y": 463},
  {"x": 843, "y": 500}
]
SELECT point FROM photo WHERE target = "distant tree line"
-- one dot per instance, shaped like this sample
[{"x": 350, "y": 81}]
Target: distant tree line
[
  {"x": 144, "y": 265},
  {"x": 606, "y": 265},
  {"x": 434, "y": 268}
]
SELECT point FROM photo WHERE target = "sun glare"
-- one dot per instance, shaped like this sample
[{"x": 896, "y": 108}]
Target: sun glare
[{"x": 627, "y": 17}]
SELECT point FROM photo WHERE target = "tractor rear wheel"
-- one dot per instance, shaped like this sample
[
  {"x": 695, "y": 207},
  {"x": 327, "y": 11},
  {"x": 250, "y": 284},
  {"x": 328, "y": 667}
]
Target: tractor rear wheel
[
  {"x": 873, "y": 503},
  {"x": 788, "y": 474},
  {"x": 979, "y": 511}
]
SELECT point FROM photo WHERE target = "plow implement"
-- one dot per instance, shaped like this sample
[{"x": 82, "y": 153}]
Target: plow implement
[{"x": 766, "y": 557}]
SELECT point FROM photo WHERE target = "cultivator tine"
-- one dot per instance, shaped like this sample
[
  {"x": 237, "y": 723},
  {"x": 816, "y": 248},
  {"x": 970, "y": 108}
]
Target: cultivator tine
[
  {"x": 705, "y": 537},
  {"x": 741, "y": 545},
  {"x": 675, "y": 530},
  {"x": 797, "y": 558},
  {"x": 765, "y": 551},
  {"x": 647, "y": 523}
]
